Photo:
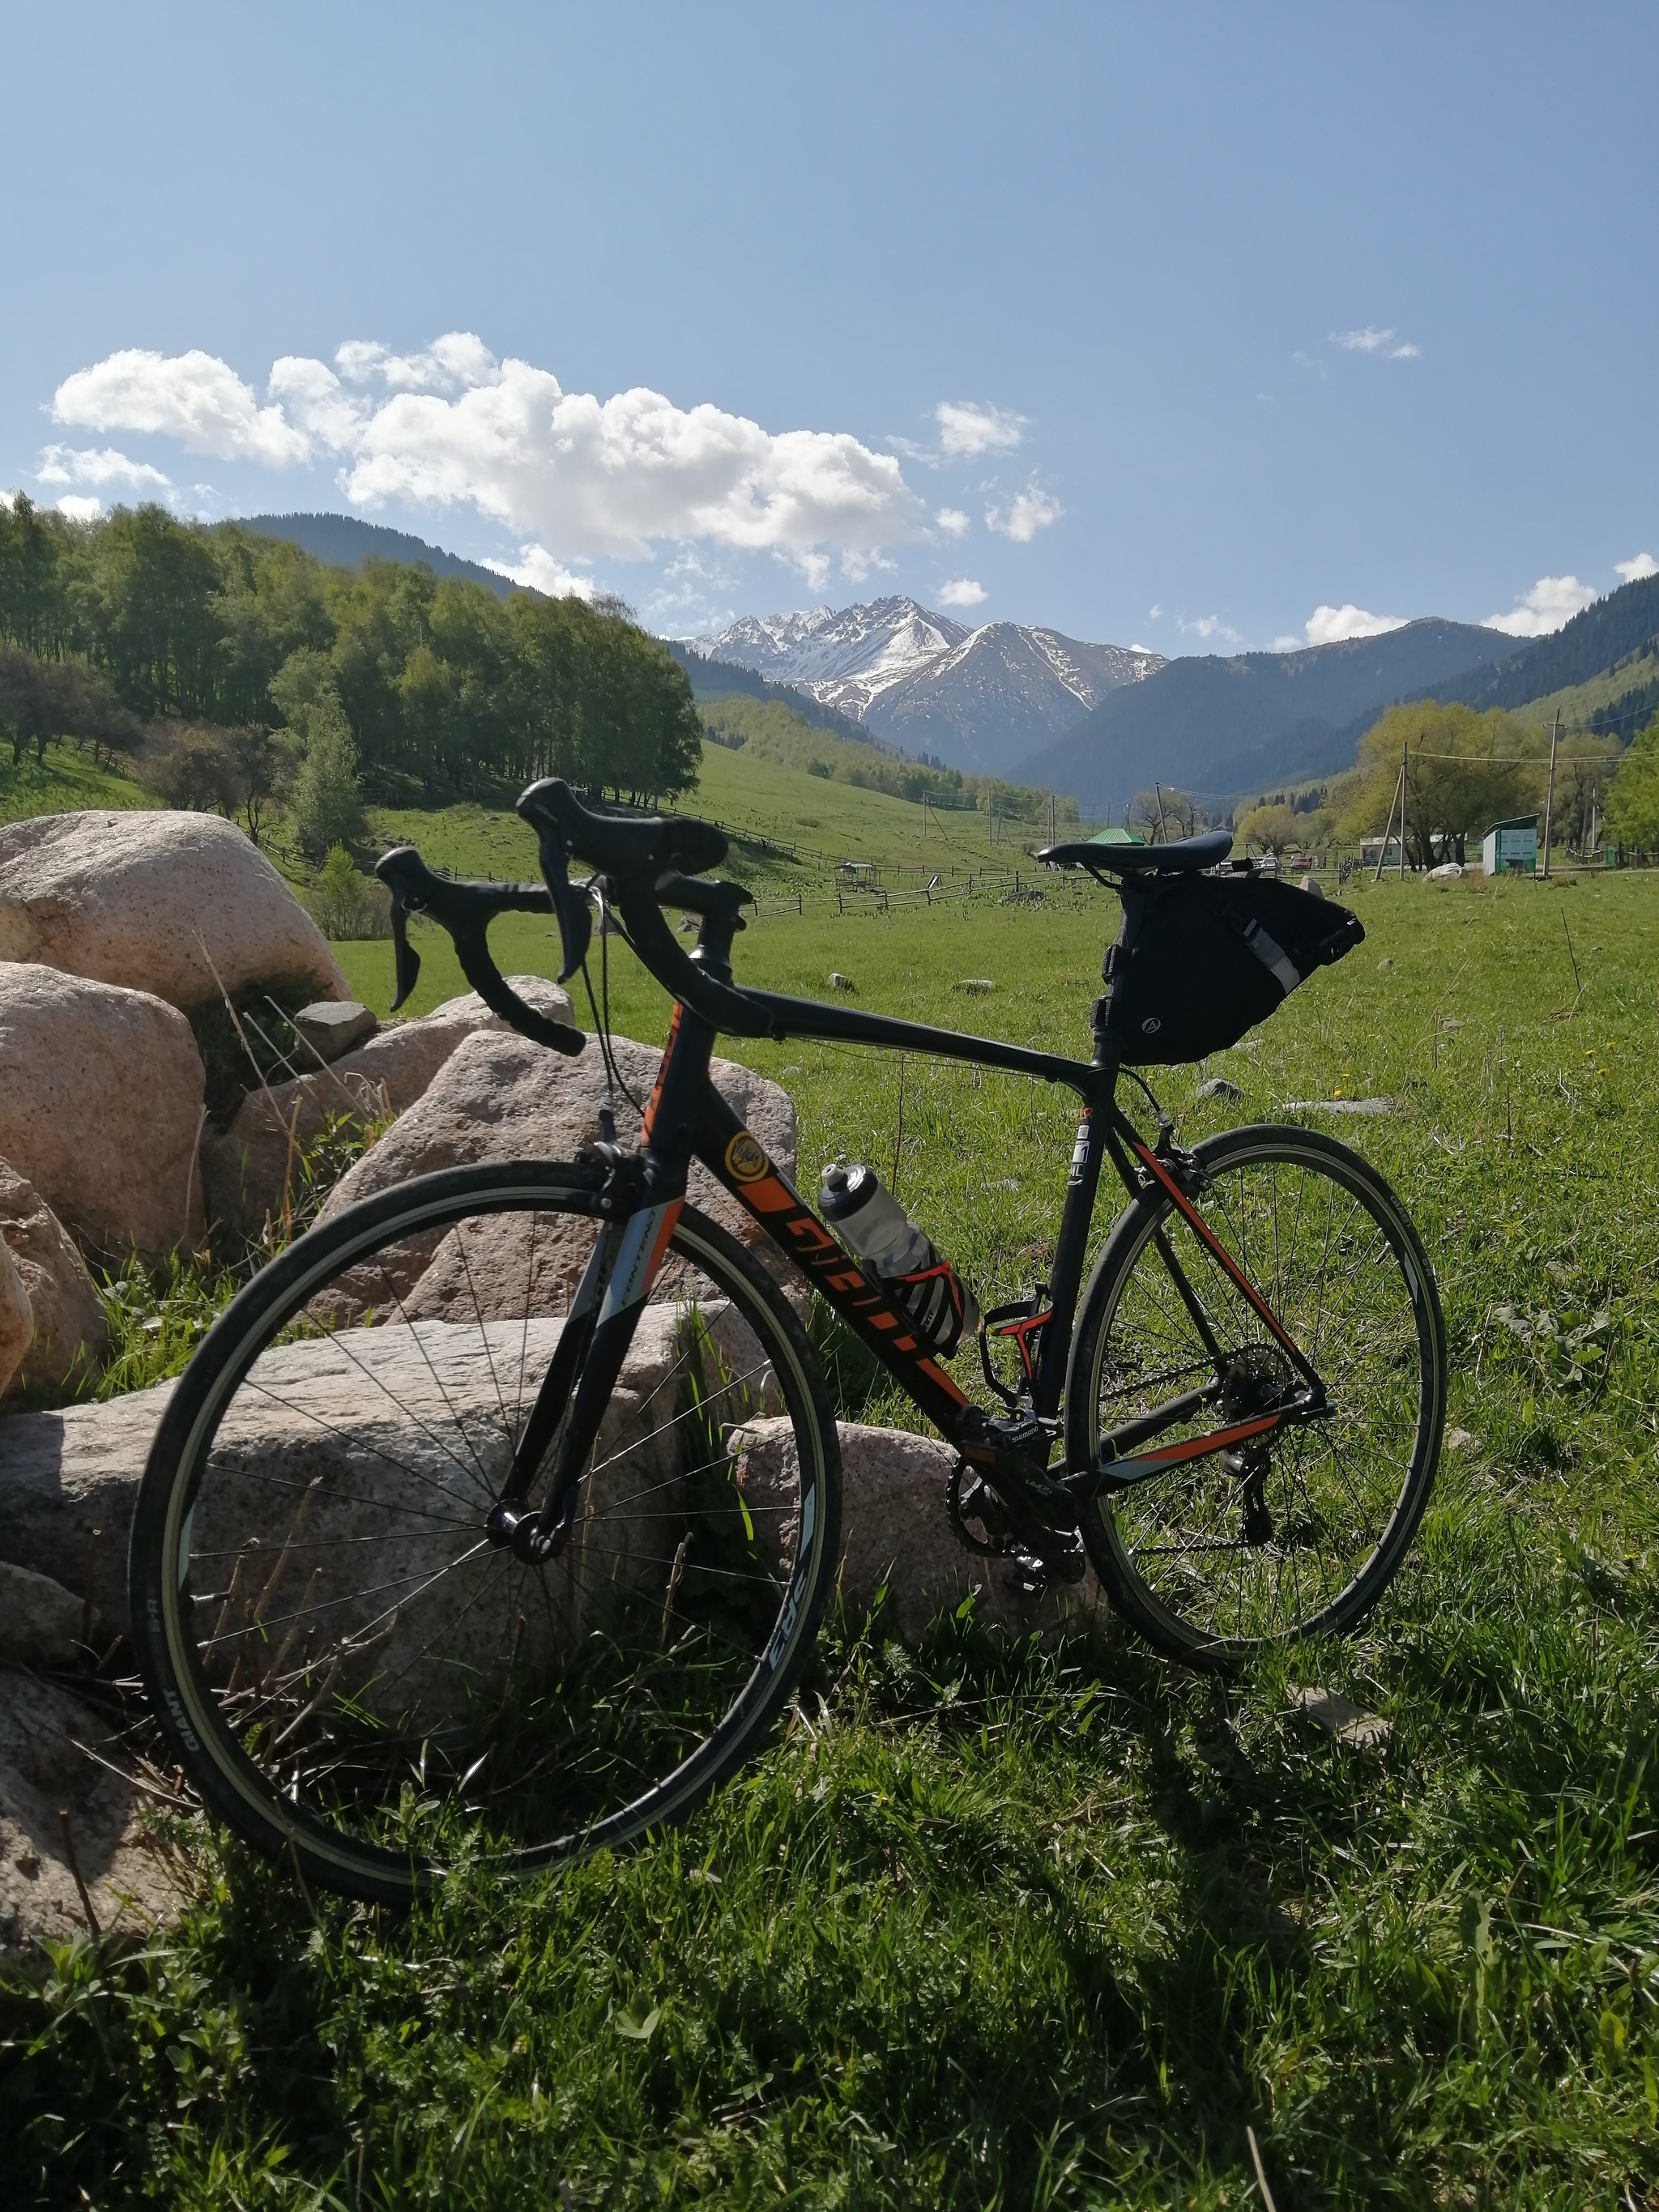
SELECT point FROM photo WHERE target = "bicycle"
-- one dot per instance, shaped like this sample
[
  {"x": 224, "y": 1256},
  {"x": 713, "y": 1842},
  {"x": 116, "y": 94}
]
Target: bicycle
[{"x": 505, "y": 1506}]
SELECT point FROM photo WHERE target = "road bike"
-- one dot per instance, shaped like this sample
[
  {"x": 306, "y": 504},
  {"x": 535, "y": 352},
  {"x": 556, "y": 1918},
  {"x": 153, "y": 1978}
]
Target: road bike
[{"x": 499, "y": 1512}]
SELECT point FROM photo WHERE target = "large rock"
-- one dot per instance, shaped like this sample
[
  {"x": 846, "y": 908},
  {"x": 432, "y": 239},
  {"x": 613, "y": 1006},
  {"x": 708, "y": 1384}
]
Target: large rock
[
  {"x": 500, "y": 1097},
  {"x": 355, "y": 1423},
  {"x": 71, "y": 1329},
  {"x": 157, "y": 902},
  {"x": 60, "y": 1757},
  {"x": 68, "y": 1480},
  {"x": 17, "y": 1318},
  {"x": 39, "y": 1620},
  {"x": 246, "y": 1170},
  {"x": 896, "y": 1536},
  {"x": 100, "y": 1108}
]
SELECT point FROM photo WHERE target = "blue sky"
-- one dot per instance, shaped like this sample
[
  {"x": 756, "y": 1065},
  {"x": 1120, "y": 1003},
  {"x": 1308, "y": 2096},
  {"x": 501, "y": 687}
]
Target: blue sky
[{"x": 1169, "y": 325}]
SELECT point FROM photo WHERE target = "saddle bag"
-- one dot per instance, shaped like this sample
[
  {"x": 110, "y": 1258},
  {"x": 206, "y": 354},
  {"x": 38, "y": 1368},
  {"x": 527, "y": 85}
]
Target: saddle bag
[{"x": 1202, "y": 958}]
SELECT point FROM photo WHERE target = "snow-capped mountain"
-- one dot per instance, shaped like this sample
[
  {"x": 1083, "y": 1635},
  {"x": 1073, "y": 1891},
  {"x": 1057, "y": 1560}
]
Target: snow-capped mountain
[{"x": 980, "y": 699}]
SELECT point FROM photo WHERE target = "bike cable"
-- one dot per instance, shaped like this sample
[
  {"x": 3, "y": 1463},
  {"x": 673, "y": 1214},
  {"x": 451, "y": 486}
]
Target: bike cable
[{"x": 602, "y": 1019}]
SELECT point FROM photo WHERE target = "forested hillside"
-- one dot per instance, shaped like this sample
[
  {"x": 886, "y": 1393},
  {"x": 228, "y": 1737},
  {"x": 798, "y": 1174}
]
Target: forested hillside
[
  {"x": 1218, "y": 727},
  {"x": 346, "y": 541},
  {"x": 237, "y": 668},
  {"x": 1614, "y": 628},
  {"x": 770, "y": 729}
]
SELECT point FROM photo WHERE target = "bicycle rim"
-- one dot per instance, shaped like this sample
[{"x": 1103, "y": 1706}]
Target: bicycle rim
[
  {"x": 350, "y": 1669},
  {"x": 1298, "y": 1534}
]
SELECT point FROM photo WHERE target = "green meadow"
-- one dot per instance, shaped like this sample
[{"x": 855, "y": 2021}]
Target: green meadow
[{"x": 1043, "y": 1927}]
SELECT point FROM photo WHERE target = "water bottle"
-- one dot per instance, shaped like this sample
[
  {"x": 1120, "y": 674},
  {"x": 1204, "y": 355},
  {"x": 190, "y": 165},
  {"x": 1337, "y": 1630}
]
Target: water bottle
[{"x": 870, "y": 1221}]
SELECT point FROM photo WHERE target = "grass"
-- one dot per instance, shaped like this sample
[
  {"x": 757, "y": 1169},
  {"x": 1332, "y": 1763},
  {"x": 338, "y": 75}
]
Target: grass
[
  {"x": 1053, "y": 1928},
  {"x": 65, "y": 782},
  {"x": 766, "y": 804}
]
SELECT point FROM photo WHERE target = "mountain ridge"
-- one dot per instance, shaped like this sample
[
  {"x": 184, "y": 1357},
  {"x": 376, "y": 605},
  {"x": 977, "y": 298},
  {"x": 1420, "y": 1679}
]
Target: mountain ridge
[
  {"x": 977, "y": 697},
  {"x": 1220, "y": 725},
  {"x": 1606, "y": 632},
  {"x": 346, "y": 541}
]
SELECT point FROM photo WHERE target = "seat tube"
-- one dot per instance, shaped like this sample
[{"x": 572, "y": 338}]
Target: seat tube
[{"x": 1082, "y": 1183}]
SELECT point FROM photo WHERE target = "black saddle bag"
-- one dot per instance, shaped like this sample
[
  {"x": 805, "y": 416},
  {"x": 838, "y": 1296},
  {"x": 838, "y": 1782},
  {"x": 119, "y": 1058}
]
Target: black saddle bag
[{"x": 1202, "y": 958}]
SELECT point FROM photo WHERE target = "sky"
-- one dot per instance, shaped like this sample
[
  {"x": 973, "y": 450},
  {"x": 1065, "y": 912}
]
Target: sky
[{"x": 1198, "y": 328}]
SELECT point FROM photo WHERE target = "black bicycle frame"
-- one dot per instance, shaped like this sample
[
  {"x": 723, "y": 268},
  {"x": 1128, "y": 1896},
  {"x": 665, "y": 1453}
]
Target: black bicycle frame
[{"x": 686, "y": 1118}]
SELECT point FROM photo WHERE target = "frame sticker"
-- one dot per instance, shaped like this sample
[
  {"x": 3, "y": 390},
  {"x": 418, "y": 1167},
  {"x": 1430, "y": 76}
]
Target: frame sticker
[{"x": 745, "y": 1158}]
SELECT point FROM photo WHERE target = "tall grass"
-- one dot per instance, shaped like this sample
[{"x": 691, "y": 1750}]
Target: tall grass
[{"x": 1054, "y": 1927}]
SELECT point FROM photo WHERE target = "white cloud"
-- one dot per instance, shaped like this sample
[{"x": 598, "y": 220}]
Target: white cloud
[
  {"x": 1154, "y": 614},
  {"x": 575, "y": 475},
  {"x": 192, "y": 397},
  {"x": 961, "y": 592},
  {"x": 540, "y": 572},
  {"x": 966, "y": 429},
  {"x": 1289, "y": 642},
  {"x": 1334, "y": 625},
  {"x": 1209, "y": 626},
  {"x": 952, "y": 521},
  {"x": 1551, "y": 601},
  {"x": 1032, "y": 511},
  {"x": 1373, "y": 340},
  {"x": 69, "y": 465},
  {"x": 1637, "y": 570},
  {"x": 80, "y": 507}
]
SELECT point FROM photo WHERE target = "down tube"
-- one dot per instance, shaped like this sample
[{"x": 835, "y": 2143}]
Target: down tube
[{"x": 740, "y": 1161}]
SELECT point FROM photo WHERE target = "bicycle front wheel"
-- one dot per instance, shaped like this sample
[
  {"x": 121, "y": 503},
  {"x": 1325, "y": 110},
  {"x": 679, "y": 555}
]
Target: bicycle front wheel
[
  {"x": 1298, "y": 1533},
  {"x": 349, "y": 1669}
]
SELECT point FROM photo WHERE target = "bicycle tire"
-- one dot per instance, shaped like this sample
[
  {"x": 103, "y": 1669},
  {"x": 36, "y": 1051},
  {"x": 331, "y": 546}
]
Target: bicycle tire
[
  {"x": 348, "y": 1412},
  {"x": 1231, "y": 1552}
]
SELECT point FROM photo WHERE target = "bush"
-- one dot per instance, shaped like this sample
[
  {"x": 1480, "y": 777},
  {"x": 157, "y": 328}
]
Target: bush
[{"x": 346, "y": 904}]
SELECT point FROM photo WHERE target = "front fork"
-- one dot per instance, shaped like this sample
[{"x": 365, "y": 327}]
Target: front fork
[{"x": 627, "y": 1256}]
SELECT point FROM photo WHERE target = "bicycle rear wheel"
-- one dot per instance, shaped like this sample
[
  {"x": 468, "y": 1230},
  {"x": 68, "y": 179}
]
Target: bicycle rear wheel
[
  {"x": 1299, "y": 1533},
  {"x": 349, "y": 1669}
]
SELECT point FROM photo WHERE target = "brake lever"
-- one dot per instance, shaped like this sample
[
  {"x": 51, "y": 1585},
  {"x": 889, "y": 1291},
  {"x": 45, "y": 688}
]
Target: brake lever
[
  {"x": 571, "y": 906},
  {"x": 407, "y": 960},
  {"x": 466, "y": 911}
]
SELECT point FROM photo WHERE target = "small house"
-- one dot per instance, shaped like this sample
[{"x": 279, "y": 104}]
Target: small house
[{"x": 1511, "y": 847}]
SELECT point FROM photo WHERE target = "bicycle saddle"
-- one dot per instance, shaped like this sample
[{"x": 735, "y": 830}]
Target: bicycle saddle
[
  {"x": 1185, "y": 854},
  {"x": 649, "y": 845}
]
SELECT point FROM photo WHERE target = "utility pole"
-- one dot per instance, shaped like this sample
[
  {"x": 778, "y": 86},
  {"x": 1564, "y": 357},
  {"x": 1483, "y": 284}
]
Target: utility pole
[
  {"x": 1402, "y": 812},
  {"x": 1382, "y": 850},
  {"x": 1549, "y": 801},
  {"x": 1163, "y": 834}
]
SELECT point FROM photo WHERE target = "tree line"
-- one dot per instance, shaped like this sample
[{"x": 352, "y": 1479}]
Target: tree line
[
  {"x": 241, "y": 674},
  {"x": 1465, "y": 771}
]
